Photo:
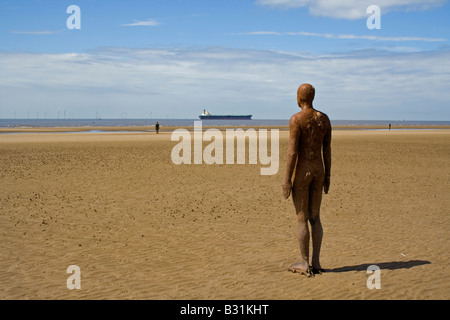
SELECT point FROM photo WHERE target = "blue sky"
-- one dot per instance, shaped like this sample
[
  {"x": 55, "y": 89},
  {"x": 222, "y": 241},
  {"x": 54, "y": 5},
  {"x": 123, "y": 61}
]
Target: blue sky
[{"x": 172, "y": 58}]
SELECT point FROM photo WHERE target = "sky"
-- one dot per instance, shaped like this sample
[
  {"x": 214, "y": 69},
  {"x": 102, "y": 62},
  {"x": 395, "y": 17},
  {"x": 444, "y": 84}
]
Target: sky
[{"x": 174, "y": 58}]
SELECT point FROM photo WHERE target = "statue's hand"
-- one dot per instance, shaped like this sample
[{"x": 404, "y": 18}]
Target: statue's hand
[
  {"x": 287, "y": 188},
  {"x": 326, "y": 185}
]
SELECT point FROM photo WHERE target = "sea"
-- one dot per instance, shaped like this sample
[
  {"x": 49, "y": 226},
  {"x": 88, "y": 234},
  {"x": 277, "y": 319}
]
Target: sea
[{"x": 70, "y": 123}]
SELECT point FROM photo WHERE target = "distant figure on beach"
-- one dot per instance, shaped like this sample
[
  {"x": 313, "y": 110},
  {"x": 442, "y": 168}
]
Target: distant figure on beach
[
  {"x": 157, "y": 127},
  {"x": 310, "y": 135},
  {"x": 390, "y": 127}
]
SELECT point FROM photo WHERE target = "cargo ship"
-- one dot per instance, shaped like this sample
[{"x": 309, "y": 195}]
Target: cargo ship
[{"x": 208, "y": 116}]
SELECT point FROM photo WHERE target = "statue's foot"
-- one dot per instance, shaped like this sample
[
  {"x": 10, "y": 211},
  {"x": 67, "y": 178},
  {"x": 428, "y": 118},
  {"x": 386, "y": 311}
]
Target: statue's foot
[
  {"x": 301, "y": 269},
  {"x": 317, "y": 270}
]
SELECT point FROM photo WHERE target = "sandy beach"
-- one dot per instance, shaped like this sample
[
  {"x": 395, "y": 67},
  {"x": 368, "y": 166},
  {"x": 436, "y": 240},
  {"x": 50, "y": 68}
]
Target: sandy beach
[{"x": 140, "y": 227}]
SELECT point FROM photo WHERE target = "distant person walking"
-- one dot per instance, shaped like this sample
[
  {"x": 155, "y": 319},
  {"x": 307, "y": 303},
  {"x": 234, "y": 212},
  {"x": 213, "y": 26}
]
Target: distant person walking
[
  {"x": 390, "y": 125},
  {"x": 157, "y": 127}
]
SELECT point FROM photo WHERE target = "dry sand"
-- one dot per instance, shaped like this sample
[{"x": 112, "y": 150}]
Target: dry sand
[{"x": 140, "y": 227}]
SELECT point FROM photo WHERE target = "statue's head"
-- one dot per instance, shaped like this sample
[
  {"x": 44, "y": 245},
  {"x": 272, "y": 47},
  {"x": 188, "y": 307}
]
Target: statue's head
[{"x": 305, "y": 94}]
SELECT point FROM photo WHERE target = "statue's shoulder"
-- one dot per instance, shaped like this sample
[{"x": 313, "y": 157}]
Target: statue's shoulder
[
  {"x": 323, "y": 116},
  {"x": 320, "y": 113},
  {"x": 295, "y": 119},
  {"x": 296, "y": 116}
]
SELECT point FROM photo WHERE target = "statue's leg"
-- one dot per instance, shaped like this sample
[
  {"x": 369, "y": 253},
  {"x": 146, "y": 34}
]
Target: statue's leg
[
  {"x": 300, "y": 195},
  {"x": 315, "y": 200}
]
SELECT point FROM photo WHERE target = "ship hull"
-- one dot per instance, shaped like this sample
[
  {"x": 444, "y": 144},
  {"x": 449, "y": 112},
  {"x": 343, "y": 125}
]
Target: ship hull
[{"x": 225, "y": 117}]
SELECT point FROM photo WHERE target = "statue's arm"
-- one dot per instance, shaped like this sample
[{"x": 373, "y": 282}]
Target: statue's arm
[
  {"x": 292, "y": 155},
  {"x": 327, "y": 157}
]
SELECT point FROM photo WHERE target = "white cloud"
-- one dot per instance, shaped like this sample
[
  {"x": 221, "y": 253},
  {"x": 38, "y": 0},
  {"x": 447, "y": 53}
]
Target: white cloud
[
  {"x": 180, "y": 82},
  {"x": 351, "y": 9},
  {"x": 42, "y": 32},
  {"x": 346, "y": 36},
  {"x": 143, "y": 23}
]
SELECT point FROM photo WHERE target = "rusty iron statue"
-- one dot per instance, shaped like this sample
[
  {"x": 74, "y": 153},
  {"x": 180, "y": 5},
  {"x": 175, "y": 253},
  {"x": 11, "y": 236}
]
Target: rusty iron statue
[{"x": 308, "y": 172}]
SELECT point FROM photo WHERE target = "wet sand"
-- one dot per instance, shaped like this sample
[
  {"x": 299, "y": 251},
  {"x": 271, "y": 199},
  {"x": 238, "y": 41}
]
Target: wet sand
[
  {"x": 169, "y": 129},
  {"x": 140, "y": 227}
]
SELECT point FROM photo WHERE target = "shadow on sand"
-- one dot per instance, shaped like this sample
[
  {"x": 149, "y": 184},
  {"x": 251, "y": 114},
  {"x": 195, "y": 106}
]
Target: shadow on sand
[{"x": 383, "y": 265}]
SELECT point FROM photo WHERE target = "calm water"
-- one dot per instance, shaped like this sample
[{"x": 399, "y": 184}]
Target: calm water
[{"x": 11, "y": 123}]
